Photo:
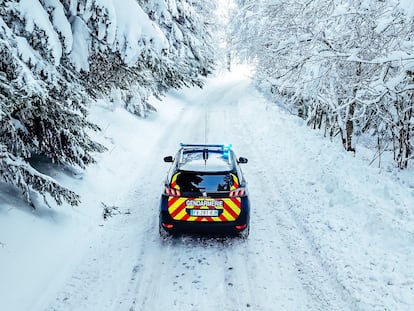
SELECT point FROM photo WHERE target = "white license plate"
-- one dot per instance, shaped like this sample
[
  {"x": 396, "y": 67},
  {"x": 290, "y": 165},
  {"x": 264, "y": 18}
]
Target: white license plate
[{"x": 204, "y": 212}]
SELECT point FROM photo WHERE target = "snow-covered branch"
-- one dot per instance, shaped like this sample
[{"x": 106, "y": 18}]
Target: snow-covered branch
[
  {"x": 336, "y": 63},
  {"x": 58, "y": 56}
]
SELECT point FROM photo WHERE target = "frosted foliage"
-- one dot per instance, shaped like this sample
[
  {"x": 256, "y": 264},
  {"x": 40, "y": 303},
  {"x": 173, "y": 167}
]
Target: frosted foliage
[
  {"x": 43, "y": 113},
  {"x": 130, "y": 29},
  {"x": 342, "y": 65},
  {"x": 56, "y": 56},
  {"x": 34, "y": 15},
  {"x": 60, "y": 23},
  {"x": 79, "y": 54},
  {"x": 17, "y": 172},
  {"x": 135, "y": 31}
]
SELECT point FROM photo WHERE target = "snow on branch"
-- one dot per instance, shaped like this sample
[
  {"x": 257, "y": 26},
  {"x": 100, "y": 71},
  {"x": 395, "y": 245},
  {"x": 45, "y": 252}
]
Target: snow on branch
[
  {"x": 17, "y": 172},
  {"x": 344, "y": 66},
  {"x": 58, "y": 56},
  {"x": 35, "y": 16}
]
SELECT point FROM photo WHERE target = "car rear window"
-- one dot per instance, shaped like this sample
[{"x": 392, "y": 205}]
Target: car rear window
[
  {"x": 211, "y": 161},
  {"x": 199, "y": 182}
]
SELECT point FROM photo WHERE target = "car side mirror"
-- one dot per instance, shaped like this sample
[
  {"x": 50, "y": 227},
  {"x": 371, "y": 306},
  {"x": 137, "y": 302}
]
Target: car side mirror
[
  {"x": 168, "y": 159},
  {"x": 243, "y": 160}
]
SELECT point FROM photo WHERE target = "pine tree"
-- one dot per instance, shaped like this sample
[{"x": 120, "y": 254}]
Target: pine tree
[
  {"x": 188, "y": 27},
  {"x": 57, "y": 56},
  {"x": 42, "y": 111}
]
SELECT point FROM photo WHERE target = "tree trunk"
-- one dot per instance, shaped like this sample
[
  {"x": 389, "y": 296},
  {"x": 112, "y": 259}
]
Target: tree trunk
[
  {"x": 350, "y": 128},
  {"x": 405, "y": 148},
  {"x": 351, "y": 112}
]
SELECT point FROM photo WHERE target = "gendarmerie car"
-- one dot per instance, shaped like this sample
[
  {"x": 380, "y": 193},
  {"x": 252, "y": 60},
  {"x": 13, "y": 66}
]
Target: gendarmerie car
[{"x": 205, "y": 192}]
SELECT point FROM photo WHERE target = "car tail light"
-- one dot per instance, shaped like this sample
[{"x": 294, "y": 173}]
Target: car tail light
[
  {"x": 241, "y": 227},
  {"x": 167, "y": 226},
  {"x": 172, "y": 191},
  {"x": 239, "y": 192}
]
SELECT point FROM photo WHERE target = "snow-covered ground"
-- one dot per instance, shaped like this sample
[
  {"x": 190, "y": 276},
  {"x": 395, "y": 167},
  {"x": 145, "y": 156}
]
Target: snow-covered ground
[{"x": 328, "y": 231}]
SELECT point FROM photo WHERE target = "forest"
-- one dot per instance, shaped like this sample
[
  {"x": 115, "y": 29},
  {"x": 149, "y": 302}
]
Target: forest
[
  {"x": 345, "y": 66},
  {"x": 57, "y": 57}
]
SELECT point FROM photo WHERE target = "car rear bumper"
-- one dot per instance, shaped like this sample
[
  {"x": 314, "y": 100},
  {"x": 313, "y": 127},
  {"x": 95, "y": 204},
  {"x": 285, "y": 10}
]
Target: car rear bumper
[
  {"x": 174, "y": 226},
  {"x": 205, "y": 227}
]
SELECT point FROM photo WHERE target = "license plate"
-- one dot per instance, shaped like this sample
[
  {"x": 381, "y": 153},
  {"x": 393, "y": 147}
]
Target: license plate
[{"x": 204, "y": 212}]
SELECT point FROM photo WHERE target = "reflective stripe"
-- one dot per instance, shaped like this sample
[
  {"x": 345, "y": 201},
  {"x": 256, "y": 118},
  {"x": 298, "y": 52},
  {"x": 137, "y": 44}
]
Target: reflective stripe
[
  {"x": 174, "y": 182},
  {"x": 228, "y": 211},
  {"x": 235, "y": 182},
  {"x": 233, "y": 207},
  {"x": 175, "y": 205},
  {"x": 181, "y": 214}
]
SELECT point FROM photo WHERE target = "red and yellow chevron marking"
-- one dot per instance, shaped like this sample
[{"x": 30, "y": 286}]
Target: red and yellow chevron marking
[
  {"x": 235, "y": 182},
  {"x": 229, "y": 211},
  {"x": 174, "y": 182}
]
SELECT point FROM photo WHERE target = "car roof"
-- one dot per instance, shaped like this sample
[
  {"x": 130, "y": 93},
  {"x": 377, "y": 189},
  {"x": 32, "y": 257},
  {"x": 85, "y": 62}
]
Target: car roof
[{"x": 206, "y": 158}]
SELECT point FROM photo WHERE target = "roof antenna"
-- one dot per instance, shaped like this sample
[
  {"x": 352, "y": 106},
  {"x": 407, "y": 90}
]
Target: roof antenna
[{"x": 205, "y": 156}]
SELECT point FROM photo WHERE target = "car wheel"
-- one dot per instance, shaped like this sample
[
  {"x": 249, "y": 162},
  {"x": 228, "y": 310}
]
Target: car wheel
[
  {"x": 245, "y": 233},
  {"x": 163, "y": 233}
]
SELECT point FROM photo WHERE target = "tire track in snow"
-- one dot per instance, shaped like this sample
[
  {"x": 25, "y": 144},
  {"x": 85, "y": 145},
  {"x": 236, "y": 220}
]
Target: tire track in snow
[
  {"x": 196, "y": 273},
  {"x": 175, "y": 266},
  {"x": 145, "y": 285},
  {"x": 257, "y": 261},
  {"x": 312, "y": 269},
  {"x": 146, "y": 278},
  {"x": 236, "y": 277},
  {"x": 102, "y": 281}
]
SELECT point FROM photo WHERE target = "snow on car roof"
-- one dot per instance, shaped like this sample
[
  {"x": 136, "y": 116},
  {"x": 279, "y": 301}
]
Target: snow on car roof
[
  {"x": 210, "y": 165},
  {"x": 214, "y": 162}
]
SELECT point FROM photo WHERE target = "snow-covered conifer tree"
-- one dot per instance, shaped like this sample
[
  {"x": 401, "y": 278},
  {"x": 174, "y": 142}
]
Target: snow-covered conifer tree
[
  {"x": 57, "y": 55},
  {"x": 187, "y": 25},
  {"x": 42, "y": 111}
]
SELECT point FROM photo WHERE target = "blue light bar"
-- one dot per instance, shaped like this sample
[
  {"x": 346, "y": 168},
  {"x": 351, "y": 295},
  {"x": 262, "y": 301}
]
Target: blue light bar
[{"x": 222, "y": 146}]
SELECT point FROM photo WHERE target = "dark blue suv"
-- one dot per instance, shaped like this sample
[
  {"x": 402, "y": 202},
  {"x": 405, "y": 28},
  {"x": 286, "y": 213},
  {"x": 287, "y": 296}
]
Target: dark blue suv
[{"x": 205, "y": 192}]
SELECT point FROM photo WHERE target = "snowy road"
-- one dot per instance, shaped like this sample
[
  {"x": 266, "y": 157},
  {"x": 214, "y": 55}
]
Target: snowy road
[{"x": 312, "y": 215}]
